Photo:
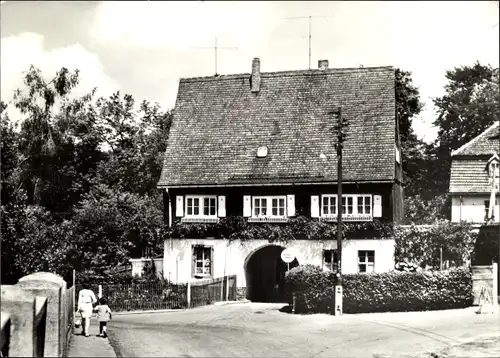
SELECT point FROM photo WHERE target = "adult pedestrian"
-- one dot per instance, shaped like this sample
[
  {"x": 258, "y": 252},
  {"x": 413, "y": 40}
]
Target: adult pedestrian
[{"x": 86, "y": 301}]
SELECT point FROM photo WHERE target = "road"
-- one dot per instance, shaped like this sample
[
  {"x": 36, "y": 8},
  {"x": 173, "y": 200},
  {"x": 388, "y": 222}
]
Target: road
[{"x": 261, "y": 330}]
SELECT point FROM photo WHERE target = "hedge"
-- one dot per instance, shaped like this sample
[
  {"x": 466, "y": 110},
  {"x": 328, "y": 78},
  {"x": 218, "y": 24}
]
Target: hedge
[{"x": 393, "y": 291}]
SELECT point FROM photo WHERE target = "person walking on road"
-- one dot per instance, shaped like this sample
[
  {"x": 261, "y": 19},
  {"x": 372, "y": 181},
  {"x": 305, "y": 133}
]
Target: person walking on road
[
  {"x": 103, "y": 316},
  {"x": 86, "y": 301}
]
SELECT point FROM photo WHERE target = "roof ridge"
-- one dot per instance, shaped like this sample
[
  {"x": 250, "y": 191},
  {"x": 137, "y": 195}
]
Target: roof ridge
[
  {"x": 475, "y": 139},
  {"x": 286, "y": 73}
]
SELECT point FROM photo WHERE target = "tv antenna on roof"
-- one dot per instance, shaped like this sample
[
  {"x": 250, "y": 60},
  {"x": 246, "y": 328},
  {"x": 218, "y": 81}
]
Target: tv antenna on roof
[
  {"x": 215, "y": 48},
  {"x": 310, "y": 33}
]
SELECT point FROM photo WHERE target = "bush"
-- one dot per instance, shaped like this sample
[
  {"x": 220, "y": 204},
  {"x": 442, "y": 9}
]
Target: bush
[
  {"x": 379, "y": 292},
  {"x": 421, "y": 244},
  {"x": 486, "y": 247}
]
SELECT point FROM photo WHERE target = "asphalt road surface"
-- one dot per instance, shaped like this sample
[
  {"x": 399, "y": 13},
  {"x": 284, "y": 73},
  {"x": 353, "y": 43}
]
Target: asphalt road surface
[{"x": 261, "y": 330}]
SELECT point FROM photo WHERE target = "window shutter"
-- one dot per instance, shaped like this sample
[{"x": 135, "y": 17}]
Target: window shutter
[
  {"x": 377, "y": 206},
  {"x": 247, "y": 206},
  {"x": 212, "y": 262},
  {"x": 290, "y": 205},
  {"x": 222, "y": 206},
  {"x": 179, "y": 207},
  {"x": 314, "y": 206}
]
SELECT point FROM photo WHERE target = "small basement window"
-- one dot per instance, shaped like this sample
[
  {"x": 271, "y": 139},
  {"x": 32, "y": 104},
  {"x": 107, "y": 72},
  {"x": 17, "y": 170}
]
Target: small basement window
[{"x": 366, "y": 261}]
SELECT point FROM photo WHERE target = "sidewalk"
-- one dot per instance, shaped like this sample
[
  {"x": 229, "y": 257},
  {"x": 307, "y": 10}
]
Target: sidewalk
[{"x": 92, "y": 346}]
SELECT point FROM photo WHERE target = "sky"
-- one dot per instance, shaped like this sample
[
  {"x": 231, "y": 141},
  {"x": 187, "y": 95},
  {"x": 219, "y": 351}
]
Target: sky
[{"x": 143, "y": 48}]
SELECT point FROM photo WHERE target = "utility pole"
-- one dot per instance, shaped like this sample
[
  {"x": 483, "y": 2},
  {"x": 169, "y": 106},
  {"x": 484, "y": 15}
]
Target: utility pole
[
  {"x": 215, "y": 48},
  {"x": 341, "y": 137}
]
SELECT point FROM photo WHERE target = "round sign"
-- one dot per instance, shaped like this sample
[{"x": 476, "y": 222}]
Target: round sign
[{"x": 287, "y": 255}]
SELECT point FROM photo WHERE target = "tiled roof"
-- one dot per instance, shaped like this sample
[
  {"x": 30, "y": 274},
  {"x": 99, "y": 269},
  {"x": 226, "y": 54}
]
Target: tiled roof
[
  {"x": 218, "y": 124},
  {"x": 469, "y": 176},
  {"x": 487, "y": 143}
]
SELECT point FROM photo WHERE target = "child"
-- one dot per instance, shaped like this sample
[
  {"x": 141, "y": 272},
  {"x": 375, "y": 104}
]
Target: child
[{"x": 103, "y": 316}]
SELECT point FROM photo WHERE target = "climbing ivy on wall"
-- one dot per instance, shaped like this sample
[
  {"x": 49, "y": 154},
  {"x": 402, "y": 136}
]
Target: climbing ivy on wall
[{"x": 299, "y": 228}]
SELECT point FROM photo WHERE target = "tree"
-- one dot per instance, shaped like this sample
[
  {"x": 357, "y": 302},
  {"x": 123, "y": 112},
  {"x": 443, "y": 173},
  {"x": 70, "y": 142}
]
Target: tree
[
  {"x": 109, "y": 227},
  {"x": 469, "y": 106},
  {"x": 408, "y": 105},
  {"x": 37, "y": 143}
]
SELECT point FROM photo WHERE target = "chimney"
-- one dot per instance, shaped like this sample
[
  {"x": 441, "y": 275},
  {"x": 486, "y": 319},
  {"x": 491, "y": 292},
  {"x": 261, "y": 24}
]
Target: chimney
[
  {"x": 323, "y": 64},
  {"x": 255, "y": 79}
]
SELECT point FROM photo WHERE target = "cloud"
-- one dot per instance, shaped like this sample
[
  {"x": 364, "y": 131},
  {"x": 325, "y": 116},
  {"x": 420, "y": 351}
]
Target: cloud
[
  {"x": 21, "y": 51},
  {"x": 180, "y": 23}
]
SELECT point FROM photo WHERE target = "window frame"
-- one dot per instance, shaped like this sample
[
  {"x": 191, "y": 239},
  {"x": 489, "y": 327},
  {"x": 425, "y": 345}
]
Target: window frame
[
  {"x": 345, "y": 199},
  {"x": 487, "y": 208},
  {"x": 201, "y": 211},
  {"x": 366, "y": 261},
  {"x": 268, "y": 199},
  {"x": 329, "y": 197},
  {"x": 333, "y": 254},
  {"x": 194, "y": 273}
]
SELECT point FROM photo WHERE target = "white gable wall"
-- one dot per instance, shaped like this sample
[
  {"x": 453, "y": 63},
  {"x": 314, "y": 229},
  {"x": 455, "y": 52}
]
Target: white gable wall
[
  {"x": 229, "y": 258},
  {"x": 471, "y": 208}
]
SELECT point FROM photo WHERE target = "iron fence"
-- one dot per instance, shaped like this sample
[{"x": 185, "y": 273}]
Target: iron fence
[
  {"x": 164, "y": 295},
  {"x": 143, "y": 296}
]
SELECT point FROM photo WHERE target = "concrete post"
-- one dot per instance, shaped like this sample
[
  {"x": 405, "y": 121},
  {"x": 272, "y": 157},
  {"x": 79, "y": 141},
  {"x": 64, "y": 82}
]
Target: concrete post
[
  {"x": 54, "y": 288},
  {"x": 22, "y": 307}
]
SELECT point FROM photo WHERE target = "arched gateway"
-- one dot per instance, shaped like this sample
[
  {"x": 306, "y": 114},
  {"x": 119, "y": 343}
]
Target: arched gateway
[{"x": 265, "y": 274}]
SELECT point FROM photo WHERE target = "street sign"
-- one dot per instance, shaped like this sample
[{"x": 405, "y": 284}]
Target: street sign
[{"x": 287, "y": 255}]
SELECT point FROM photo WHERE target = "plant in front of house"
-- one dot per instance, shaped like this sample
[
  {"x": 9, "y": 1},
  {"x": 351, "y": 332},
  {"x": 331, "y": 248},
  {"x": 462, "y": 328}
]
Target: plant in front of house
[
  {"x": 423, "y": 245},
  {"x": 379, "y": 292},
  {"x": 298, "y": 228}
]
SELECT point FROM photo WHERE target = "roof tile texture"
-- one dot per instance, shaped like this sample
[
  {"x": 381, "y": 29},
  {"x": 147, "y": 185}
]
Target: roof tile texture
[{"x": 219, "y": 123}]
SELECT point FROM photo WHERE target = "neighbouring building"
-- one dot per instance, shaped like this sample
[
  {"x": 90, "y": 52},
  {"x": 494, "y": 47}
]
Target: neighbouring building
[
  {"x": 262, "y": 146},
  {"x": 474, "y": 179}
]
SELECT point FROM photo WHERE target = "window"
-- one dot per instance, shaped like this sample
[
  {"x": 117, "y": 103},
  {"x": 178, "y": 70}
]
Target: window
[
  {"x": 271, "y": 206},
  {"x": 494, "y": 168},
  {"x": 487, "y": 209},
  {"x": 494, "y": 171},
  {"x": 201, "y": 206},
  {"x": 202, "y": 261},
  {"x": 330, "y": 260},
  {"x": 278, "y": 207},
  {"x": 366, "y": 261},
  {"x": 355, "y": 207},
  {"x": 347, "y": 207},
  {"x": 329, "y": 205},
  {"x": 364, "y": 205}
]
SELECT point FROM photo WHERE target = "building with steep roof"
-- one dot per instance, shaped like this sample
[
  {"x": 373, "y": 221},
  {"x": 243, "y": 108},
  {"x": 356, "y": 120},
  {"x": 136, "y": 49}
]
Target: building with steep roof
[
  {"x": 474, "y": 179},
  {"x": 262, "y": 147}
]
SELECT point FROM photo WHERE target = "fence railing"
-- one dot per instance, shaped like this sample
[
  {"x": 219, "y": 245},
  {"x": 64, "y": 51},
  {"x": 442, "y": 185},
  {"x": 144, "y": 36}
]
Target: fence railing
[
  {"x": 164, "y": 295},
  {"x": 209, "y": 291}
]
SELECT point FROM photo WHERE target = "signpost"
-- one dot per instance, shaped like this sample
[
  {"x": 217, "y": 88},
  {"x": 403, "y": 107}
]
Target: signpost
[{"x": 288, "y": 256}]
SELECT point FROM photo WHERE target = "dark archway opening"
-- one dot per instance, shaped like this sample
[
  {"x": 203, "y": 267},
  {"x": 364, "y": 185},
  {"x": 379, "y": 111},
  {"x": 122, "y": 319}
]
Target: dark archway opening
[{"x": 265, "y": 274}]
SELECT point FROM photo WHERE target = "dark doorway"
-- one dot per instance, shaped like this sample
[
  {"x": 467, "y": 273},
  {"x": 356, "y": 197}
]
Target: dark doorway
[{"x": 265, "y": 274}]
